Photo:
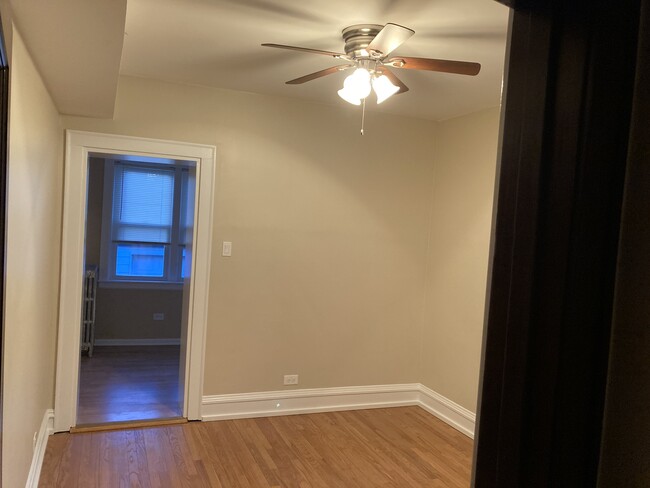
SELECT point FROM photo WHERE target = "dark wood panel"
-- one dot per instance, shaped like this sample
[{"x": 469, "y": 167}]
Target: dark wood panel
[
  {"x": 625, "y": 455},
  {"x": 395, "y": 447}
]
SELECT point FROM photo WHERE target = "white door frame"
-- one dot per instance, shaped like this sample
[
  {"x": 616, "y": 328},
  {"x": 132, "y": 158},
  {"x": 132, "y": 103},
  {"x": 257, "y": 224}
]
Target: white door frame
[{"x": 79, "y": 145}]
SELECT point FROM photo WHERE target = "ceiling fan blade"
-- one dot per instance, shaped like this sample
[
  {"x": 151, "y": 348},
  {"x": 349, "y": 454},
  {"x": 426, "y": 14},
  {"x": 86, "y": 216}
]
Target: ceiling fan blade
[
  {"x": 394, "y": 80},
  {"x": 306, "y": 50},
  {"x": 388, "y": 39},
  {"x": 443, "y": 65},
  {"x": 319, "y": 74}
]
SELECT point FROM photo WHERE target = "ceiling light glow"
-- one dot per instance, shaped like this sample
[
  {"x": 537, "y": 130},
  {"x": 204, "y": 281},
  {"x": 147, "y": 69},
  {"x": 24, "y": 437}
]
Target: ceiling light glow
[
  {"x": 383, "y": 87},
  {"x": 356, "y": 87},
  {"x": 348, "y": 97}
]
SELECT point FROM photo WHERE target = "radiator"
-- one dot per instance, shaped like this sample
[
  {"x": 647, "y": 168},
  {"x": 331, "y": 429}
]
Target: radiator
[{"x": 88, "y": 310}]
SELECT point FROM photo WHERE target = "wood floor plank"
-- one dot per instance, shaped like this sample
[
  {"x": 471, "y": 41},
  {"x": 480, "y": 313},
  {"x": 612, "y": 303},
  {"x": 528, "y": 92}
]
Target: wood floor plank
[
  {"x": 209, "y": 436},
  {"x": 56, "y": 448},
  {"x": 89, "y": 459},
  {"x": 379, "y": 448},
  {"x": 126, "y": 383},
  {"x": 197, "y": 451},
  {"x": 159, "y": 474},
  {"x": 246, "y": 455},
  {"x": 258, "y": 448},
  {"x": 116, "y": 462},
  {"x": 70, "y": 467},
  {"x": 137, "y": 459}
]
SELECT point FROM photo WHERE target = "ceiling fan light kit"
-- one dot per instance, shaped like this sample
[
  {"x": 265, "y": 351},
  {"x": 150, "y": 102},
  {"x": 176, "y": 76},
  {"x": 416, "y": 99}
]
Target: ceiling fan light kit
[
  {"x": 359, "y": 84},
  {"x": 384, "y": 89},
  {"x": 356, "y": 86},
  {"x": 367, "y": 48}
]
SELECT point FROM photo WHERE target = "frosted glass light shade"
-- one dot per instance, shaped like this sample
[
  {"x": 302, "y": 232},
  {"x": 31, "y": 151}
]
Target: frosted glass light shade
[
  {"x": 383, "y": 88},
  {"x": 356, "y": 86},
  {"x": 358, "y": 83},
  {"x": 349, "y": 97}
]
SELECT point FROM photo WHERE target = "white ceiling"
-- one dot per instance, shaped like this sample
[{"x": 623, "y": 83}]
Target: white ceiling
[
  {"x": 217, "y": 43},
  {"x": 77, "y": 44}
]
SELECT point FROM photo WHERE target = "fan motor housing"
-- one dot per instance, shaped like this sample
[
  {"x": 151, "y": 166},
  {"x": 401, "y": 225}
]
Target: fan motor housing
[{"x": 357, "y": 37}]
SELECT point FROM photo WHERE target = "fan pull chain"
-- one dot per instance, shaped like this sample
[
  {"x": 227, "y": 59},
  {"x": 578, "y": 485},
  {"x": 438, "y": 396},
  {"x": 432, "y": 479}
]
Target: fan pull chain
[{"x": 363, "y": 114}]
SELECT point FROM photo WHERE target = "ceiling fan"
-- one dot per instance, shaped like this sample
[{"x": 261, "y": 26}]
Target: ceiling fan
[{"x": 368, "y": 48}]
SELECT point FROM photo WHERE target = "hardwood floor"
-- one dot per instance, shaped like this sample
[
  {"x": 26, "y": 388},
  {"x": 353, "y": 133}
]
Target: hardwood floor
[
  {"x": 128, "y": 383},
  {"x": 392, "y": 447}
]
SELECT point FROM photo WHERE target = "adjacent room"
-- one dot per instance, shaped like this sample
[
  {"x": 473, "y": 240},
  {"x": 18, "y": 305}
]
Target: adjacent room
[
  {"x": 340, "y": 258},
  {"x": 138, "y": 225}
]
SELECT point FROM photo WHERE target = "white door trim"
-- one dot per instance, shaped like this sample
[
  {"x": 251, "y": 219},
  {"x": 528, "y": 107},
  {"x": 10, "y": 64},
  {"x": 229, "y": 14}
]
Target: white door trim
[{"x": 78, "y": 147}]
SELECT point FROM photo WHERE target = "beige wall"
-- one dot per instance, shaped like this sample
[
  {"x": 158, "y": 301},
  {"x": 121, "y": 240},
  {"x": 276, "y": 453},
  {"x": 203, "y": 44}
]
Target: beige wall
[
  {"x": 94, "y": 209},
  {"x": 330, "y": 236},
  {"x": 35, "y": 180},
  {"x": 328, "y": 230},
  {"x": 125, "y": 313},
  {"x": 463, "y": 189},
  {"x": 128, "y": 314}
]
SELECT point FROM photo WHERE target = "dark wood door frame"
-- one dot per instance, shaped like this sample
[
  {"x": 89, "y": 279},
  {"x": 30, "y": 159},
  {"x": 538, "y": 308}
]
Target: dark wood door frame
[{"x": 567, "y": 107}]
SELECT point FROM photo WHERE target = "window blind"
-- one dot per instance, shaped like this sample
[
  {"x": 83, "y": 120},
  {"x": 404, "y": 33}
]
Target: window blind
[{"x": 143, "y": 201}]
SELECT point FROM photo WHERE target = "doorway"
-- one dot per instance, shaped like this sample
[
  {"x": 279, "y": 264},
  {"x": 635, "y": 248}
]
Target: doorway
[
  {"x": 170, "y": 255},
  {"x": 139, "y": 231}
]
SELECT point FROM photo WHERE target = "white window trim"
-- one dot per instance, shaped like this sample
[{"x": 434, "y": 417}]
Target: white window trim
[
  {"x": 172, "y": 275},
  {"x": 141, "y": 285},
  {"x": 79, "y": 145}
]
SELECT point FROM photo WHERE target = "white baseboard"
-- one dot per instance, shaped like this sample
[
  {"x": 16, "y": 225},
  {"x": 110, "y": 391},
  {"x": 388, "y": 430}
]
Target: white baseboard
[
  {"x": 46, "y": 429},
  {"x": 453, "y": 414},
  {"x": 137, "y": 342},
  {"x": 292, "y": 402}
]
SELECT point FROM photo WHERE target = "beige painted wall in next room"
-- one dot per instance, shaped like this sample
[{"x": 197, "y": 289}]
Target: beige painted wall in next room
[
  {"x": 330, "y": 234},
  {"x": 125, "y": 313}
]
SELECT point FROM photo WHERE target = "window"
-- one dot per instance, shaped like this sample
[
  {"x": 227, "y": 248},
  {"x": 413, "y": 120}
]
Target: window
[{"x": 147, "y": 222}]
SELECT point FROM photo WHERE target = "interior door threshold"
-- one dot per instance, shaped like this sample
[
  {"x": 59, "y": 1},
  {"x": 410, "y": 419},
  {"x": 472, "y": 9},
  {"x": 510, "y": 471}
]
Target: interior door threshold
[{"x": 131, "y": 424}]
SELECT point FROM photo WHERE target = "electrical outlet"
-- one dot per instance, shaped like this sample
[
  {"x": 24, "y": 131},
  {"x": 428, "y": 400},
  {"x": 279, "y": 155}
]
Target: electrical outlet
[
  {"x": 290, "y": 379},
  {"x": 159, "y": 316}
]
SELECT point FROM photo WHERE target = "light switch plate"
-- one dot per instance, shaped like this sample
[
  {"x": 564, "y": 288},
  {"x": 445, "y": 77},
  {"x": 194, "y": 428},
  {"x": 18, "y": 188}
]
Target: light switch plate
[{"x": 226, "y": 248}]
